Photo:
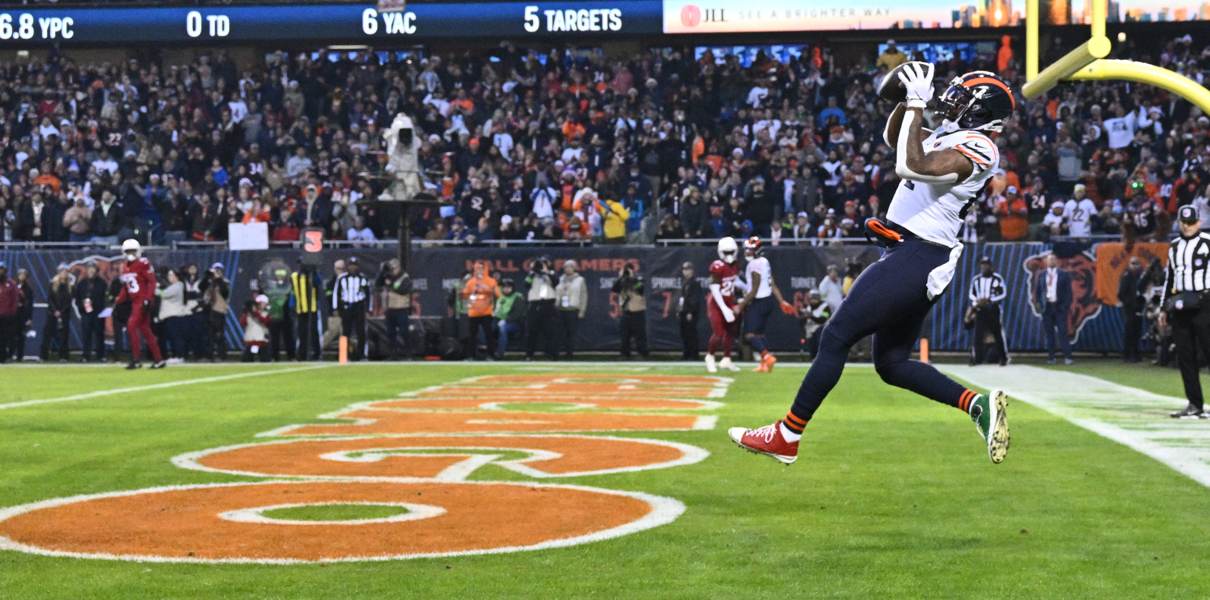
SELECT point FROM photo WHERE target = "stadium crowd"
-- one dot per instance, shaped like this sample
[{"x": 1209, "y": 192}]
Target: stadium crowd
[{"x": 568, "y": 145}]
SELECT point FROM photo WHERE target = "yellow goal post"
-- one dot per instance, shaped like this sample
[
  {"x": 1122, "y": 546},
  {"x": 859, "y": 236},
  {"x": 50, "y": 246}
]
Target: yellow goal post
[{"x": 1087, "y": 62}]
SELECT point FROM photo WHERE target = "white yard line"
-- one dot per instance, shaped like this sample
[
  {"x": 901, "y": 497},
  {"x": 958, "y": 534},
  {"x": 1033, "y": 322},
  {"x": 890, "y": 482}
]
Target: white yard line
[
  {"x": 159, "y": 386},
  {"x": 1129, "y": 416}
]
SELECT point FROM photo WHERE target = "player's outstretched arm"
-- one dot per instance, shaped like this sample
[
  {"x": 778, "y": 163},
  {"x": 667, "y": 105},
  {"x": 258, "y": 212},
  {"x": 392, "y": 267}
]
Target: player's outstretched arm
[
  {"x": 749, "y": 293},
  {"x": 911, "y": 161},
  {"x": 785, "y": 306}
]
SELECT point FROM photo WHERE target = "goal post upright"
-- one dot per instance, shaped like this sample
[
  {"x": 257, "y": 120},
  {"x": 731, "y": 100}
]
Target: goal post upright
[{"x": 1087, "y": 62}]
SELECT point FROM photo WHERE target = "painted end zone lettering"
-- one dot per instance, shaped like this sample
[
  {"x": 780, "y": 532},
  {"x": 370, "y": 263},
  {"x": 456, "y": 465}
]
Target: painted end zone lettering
[{"x": 415, "y": 452}]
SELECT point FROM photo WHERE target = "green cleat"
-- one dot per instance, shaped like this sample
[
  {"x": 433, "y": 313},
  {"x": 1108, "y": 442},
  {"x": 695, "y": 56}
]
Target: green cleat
[{"x": 988, "y": 413}]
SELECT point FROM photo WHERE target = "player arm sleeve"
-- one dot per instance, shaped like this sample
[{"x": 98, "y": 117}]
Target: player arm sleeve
[
  {"x": 752, "y": 287},
  {"x": 716, "y": 292},
  {"x": 742, "y": 285},
  {"x": 151, "y": 285}
]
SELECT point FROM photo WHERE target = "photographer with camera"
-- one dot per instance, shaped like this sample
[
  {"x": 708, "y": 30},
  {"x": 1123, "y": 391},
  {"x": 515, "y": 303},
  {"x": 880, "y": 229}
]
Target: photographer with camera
[
  {"x": 632, "y": 306},
  {"x": 540, "y": 319},
  {"x": 216, "y": 292}
]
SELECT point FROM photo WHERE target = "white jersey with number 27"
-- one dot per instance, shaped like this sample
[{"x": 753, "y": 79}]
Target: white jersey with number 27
[{"x": 934, "y": 211}]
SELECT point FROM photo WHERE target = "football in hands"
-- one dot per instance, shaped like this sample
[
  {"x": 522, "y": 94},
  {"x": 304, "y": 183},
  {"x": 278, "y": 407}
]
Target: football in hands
[{"x": 890, "y": 88}]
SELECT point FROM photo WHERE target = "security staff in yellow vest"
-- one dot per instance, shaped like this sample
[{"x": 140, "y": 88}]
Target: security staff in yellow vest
[{"x": 304, "y": 300}]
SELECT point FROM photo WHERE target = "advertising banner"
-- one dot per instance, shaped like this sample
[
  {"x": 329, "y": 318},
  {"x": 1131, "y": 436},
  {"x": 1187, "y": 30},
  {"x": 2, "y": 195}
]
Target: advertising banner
[{"x": 753, "y": 16}]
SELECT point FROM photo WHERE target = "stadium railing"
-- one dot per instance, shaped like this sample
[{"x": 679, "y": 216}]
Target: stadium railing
[
  {"x": 661, "y": 243},
  {"x": 196, "y": 245}
]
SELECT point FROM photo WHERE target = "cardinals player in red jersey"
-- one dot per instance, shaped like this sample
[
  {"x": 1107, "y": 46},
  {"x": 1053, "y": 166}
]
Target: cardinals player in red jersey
[
  {"x": 720, "y": 305},
  {"x": 138, "y": 288}
]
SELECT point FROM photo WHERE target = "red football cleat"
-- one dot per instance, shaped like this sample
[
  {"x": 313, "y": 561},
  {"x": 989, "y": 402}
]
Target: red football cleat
[{"x": 767, "y": 440}]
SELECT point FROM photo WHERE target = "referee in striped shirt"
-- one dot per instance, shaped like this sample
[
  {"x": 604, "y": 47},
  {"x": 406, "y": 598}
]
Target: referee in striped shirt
[
  {"x": 351, "y": 300},
  {"x": 986, "y": 293},
  {"x": 1187, "y": 306}
]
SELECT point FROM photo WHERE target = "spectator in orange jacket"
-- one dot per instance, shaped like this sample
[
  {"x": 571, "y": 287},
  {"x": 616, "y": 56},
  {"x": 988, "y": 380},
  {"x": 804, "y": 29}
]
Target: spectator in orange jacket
[
  {"x": 1014, "y": 215},
  {"x": 480, "y": 293}
]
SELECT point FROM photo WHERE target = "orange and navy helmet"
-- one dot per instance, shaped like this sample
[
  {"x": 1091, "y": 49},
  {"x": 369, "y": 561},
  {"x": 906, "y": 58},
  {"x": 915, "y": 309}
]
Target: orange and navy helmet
[
  {"x": 752, "y": 246},
  {"x": 977, "y": 100}
]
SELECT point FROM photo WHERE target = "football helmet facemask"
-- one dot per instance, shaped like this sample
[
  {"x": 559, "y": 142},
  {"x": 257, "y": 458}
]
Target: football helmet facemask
[
  {"x": 752, "y": 247},
  {"x": 978, "y": 100},
  {"x": 728, "y": 250},
  {"x": 131, "y": 249}
]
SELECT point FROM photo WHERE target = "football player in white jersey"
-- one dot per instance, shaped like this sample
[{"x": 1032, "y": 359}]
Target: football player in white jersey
[
  {"x": 761, "y": 296},
  {"x": 942, "y": 171}
]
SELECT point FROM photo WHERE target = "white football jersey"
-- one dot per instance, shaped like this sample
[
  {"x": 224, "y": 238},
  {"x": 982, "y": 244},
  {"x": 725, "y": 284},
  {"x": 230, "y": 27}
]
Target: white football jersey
[
  {"x": 760, "y": 265},
  {"x": 1079, "y": 216},
  {"x": 934, "y": 211}
]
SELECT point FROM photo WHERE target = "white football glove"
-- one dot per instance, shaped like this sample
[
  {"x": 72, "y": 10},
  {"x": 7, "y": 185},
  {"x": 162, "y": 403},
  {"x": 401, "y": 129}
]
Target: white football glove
[
  {"x": 728, "y": 315},
  {"x": 917, "y": 81}
]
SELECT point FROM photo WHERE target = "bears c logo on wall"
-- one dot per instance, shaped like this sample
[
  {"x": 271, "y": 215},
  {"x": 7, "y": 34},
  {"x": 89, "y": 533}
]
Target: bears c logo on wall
[
  {"x": 691, "y": 15},
  {"x": 1085, "y": 305}
]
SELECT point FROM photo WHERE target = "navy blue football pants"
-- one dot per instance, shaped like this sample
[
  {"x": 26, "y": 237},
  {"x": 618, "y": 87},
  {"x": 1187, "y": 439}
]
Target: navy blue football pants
[
  {"x": 889, "y": 300},
  {"x": 756, "y": 320}
]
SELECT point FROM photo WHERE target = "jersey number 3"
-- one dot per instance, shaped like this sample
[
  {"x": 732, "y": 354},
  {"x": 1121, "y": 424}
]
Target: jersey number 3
[{"x": 132, "y": 282}]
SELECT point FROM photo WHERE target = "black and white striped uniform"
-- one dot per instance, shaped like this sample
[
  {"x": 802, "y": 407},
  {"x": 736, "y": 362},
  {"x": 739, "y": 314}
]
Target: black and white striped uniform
[
  {"x": 988, "y": 288},
  {"x": 986, "y": 294},
  {"x": 351, "y": 300},
  {"x": 1188, "y": 265},
  {"x": 1187, "y": 280},
  {"x": 350, "y": 290}
]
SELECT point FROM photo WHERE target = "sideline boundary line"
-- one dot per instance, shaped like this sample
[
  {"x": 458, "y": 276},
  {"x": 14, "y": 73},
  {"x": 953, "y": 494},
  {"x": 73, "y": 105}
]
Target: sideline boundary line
[
  {"x": 1069, "y": 396},
  {"x": 157, "y": 386}
]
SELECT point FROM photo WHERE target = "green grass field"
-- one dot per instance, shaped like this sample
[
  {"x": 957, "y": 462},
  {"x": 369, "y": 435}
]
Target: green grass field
[{"x": 892, "y": 497}]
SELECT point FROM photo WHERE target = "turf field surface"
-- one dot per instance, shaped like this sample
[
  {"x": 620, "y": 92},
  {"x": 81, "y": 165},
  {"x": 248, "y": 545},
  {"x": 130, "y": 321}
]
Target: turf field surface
[{"x": 893, "y": 495}]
